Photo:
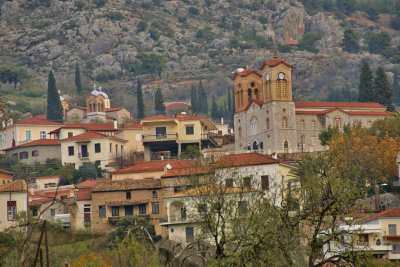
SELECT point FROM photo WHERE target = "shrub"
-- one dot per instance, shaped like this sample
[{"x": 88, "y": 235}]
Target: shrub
[
  {"x": 308, "y": 41},
  {"x": 205, "y": 34},
  {"x": 100, "y": 3},
  {"x": 80, "y": 4},
  {"x": 154, "y": 34},
  {"x": 142, "y": 26},
  {"x": 193, "y": 11},
  {"x": 104, "y": 76},
  {"x": 115, "y": 16}
]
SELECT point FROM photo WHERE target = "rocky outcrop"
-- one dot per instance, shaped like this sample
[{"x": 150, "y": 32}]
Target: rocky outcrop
[
  {"x": 329, "y": 29},
  {"x": 9, "y": 9}
]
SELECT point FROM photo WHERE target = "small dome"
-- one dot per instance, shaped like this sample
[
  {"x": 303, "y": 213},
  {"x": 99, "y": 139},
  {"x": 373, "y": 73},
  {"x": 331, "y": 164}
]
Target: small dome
[
  {"x": 104, "y": 94},
  {"x": 95, "y": 92}
]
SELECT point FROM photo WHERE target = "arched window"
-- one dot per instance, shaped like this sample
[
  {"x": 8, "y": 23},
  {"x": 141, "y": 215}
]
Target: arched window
[
  {"x": 255, "y": 145},
  {"x": 284, "y": 123},
  {"x": 285, "y": 147},
  {"x": 241, "y": 98},
  {"x": 355, "y": 123},
  {"x": 256, "y": 96},
  {"x": 314, "y": 140},
  {"x": 302, "y": 124},
  {"x": 268, "y": 126},
  {"x": 248, "y": 95},
  {"x": 278, "y": 88},
  {"x": 313, "y": 124},
  {"x": 254, "y": 125},
  {"x": 240, "y": 132},
  {"x": 303, "y": 139},
  {"x": 337, "y": 122},
  {"x": 283, "y": 84},
  {"x": 261, "y": 145}
]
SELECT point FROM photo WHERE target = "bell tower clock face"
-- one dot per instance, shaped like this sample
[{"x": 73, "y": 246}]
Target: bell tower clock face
[
  {"x": 267, "y": 77},
  {"x": 281, "y": 76}
]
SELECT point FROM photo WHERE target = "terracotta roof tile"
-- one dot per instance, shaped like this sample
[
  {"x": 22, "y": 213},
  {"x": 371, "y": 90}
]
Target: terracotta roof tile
[
  {"x": 40, "y": 201},
  {"x": 49, "y": 177},
  {"x": 174, "y": 106},
  {"x": 92, "y": 135},
  {"x": 274, "y": 62},
  {"x": 246, "y": 73},
  {"x": 245, "y": 159},
  {"x": 90, "y": 183},
  {"x": 114, "y": 109},
  {"x": 40, "y": 142},
  {"x": 78, "y": 107},
  {"x": 16, "y": 186},
  {"x": 156, "y": 165},
  {"x": 92, "y": 126},
  {"x": 5, "y": 171},
  {"x": 187, "y": 171},
  {"x": 124, "y": 185},
  {"x": 338, "y": 104},
  {"x": 181, "y": 117},
  {"x": 38, "y": 120}
]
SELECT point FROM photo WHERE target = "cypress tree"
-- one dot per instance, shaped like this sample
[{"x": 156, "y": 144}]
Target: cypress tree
[
  {"x": 78, "y": 83},
  {"x": 383, "y": 91},
  {"x": 159, "y": 106},
  {"x": 396, "y": 87},
  {"x": 193, "y": 99},
  {"x": 365, "y": 88},
  {"x": 214, "y": 109},
  {"x": 139, "y": 100},
  {"x": 202, "y": 99},
  {"x": 54, "y": 107},
  {"x": 229, "y": 109}
]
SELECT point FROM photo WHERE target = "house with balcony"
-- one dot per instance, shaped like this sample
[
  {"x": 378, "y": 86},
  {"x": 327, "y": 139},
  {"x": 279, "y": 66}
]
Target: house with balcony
[
  {"x": 91, "y": 147},
  {"x": 167, "y": 136},
  {"x": 112, "y": 200},
  {"x": 378, "y": 234}
]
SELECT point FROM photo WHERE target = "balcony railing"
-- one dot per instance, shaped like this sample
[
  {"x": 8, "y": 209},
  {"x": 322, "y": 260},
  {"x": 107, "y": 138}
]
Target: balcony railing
[
  {"x": 83, "y": 155},
  {"x": 113, "y": 219},
  {"x": 160, "y": 137}
]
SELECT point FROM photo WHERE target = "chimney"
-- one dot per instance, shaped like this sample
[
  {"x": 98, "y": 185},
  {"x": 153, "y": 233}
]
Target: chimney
[{"x": 115, "y": 124}]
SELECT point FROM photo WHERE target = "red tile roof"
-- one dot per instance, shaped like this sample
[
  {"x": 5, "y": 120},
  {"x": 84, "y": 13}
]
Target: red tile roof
[
  {"x": 90, "y": 183},
  {"x": 174, "y": 106},
  {"x": 338, "y": 104},
  {"x": 40, "y": 201},
  {"x": 38, "y": 120},
  {"x": 136, "y": 125},
  {"x": 156, "y": 166},
  {"x": 16, "y": 186},
  {"x": 294, "y": 43},
  {"x": 84, "y": 194},
  {"x": 393, "y": 212},
  {"x": 49, "y": 177},
  {"x": 181, "y": 117},
  {"x": 114, "y": 109},
  {"x": 274, "y": 62},
  {"x": 128, "y": 184},
  {"x": 245, "y": 159},
  {"x": 246, "y": 73},
  {"x": 92, "y": 126},
  {"x": 78, "y": 107},
  {"x": 187, "y": 171},
  {"x": 359, "y": 113},
  {"x": 40, "y": 142},
  {"x": 5, "y": 171},
  {"x": 92, "y": 135}
]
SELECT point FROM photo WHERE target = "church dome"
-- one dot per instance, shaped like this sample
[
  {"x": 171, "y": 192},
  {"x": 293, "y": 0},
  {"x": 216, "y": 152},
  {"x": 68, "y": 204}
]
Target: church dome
[
  {"x": 95, "y": 92},
  {"x": 104, "y": 94}
]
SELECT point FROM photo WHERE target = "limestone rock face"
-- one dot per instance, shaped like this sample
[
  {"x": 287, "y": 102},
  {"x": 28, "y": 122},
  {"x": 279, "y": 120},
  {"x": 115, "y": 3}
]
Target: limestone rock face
[
  {"x": 291, "y": 25},
  {"x": 328, "y": 28},
  {"x": 8, "y": 9}
]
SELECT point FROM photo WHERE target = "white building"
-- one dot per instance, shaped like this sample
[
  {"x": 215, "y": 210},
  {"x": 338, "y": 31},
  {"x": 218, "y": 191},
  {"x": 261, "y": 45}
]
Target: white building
[{"x": 13, "y": 200}]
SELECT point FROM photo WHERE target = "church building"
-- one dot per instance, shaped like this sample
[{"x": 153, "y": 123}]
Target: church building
[{"x": 269, "y": 121}]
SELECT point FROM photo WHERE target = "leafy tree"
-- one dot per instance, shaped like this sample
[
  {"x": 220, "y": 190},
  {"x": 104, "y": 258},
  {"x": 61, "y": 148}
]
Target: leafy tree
[
  {"x": 139, "y": 100},
  {"x": 78, "y": 82},
  {"x": 152, "y": 63},
  {"x": 350, "y": 41},
  {"x": 159, "y": 106},
  {"x": 346, "y": 6},
  {"x": 366, "y": 92},
  {"x": 308, "y": 40},
  {"x": 193, "y": 11},
  {"x": 327, "y": 135},
  {"x": 138, "y": 227},
  {"x": 191, "y": 152},
  {"x": 378, "y": 42},
  {"x": 54, "y": 107},
  {"x": 383, "y": 90},
  {"x": 13, "y": 75}
]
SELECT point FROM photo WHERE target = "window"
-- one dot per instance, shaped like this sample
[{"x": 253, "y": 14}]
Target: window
[
  {"x": 137, "y": 138},
  {"x": 116, "y": 149},
  {"x": 142, "y": 208},
  {"x": 114, "y": 211},
  {"x": 35, "y": 153},
  {"x": 43, "y": 134},
  {"x": 189, "y": 129},
  {"x": 122, "y": 149},
  {"x": 12, "y": 136},
  {"x": 183, "y": 213},
  {"x": 50, "y": 185},
  {"x": 28, "y": 135},
  {"x": 392, "y": 229},
  {"x": 161, "y": 132},
  {"x": 253, "y": 125},
  {"x": 102, "y": 211},
  {"x": 154, "y": 208},
  {"x": 255, "y": 145},
  {"x": 261, "y": 145},
  {"x": 268, "y": 126},
  {"x": 284, "y": 123},
  {"x": 23, "y": 155},
  {"x": 97, "y": 148},
  {"x": 70, "y": 151},
  {"x": 242, "y": 206},
  {"x": 314, "y": 140},
  {"x": 229, "y": 183},
  {"x": 128, "y": 210},
  {"x": 172, "y": 230},
  {"x": 265, "y": 182},
  {"x": 337, "y": 122},
  {"x": 34, "y": 212},
  {"x": 285, "y": 147},
  {"x": 202, "y": 207},
  {"x": 53, "y": 212},
  {"x": 246, "y": 181},
  {"x": 11, "y": 210},
  {"x": 303, "y": 140},
  {"x": 189, "y": 234},
  {"x": 70, "y": 134},
  {"x": 396, "y": 249},
  {"x": 302, "y": 123},
  {"x": 154, "y": 194},
  {"x": 86, "y": 209},
  {"x": 248, "y": 95},
  {"x": 128, "y": 194},
  {"x": 110, "y": 147},
  {"x": 313, "y": 124}
]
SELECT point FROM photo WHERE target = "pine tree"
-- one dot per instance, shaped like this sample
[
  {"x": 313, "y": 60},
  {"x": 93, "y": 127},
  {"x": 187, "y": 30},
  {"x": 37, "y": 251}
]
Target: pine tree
[
  {"x": 350, "y": 41},
  {"x": 159, "y": 106},
  {"x": 202, "y": 99},
  {"x": 54, "y": 107},
  {"x": 365, "y": 88},
  {"x": 78, "y": 83},
  {"x": 396, "y": 87},
  {"x": 383, "y": 91},
  {"x": 193, "y": 99},
  {"x": 139, "y": 100},
  {"x": 214, "y": 109}
]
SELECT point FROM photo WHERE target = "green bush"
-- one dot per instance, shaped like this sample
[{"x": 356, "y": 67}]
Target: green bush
[
  {"x": 80, "y": 4},
  {"x": 285, "y": 48},
  {"x": 193, "y": 11},
  {"x": 33, "y": 93},
  {"x": 100, "y": 3},
  {"x": 154, "y": 34},
  {"x": 142, "y": 26},
  {"x": 104, "y": 76},
  {"x": 115, "y": 16},
  {"x": 378, "y": 42},
  {"x": 146, "y": 5},
  {"x": 205, "y": 34},
  {"x": 308, "y": 40},
  {"x": 152, "y": 63}
]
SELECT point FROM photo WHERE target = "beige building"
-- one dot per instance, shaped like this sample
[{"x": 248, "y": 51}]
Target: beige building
[
  {"x": 13, "y": 201},
  {"x": 36, "y": 151},
  {"x": 24, "y": 131},
  {"x": 46, "y": 181},
  {"x": 75, "y": 129},
  {"x": 167, "y": 136},
  {"x": 133, "y": 133},
  {"x": 5, "y": 177},
  {"x": 91, "y": 147},
  {"x": 115, "y": 199},
  {"x": 47, "y": 208},
  {"x": 268, "y": 120}
]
